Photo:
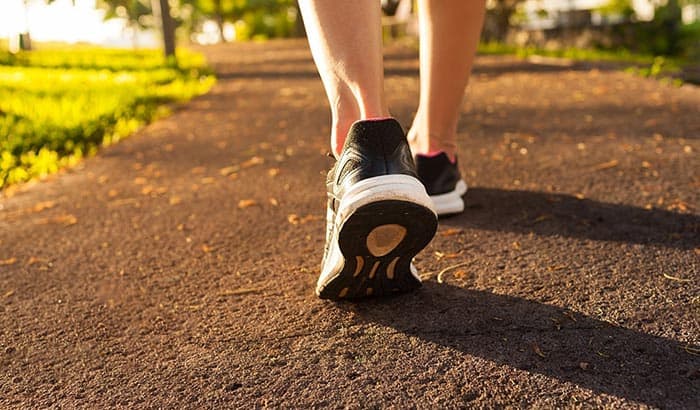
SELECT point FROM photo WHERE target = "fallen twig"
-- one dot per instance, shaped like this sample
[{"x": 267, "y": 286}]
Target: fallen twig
[
  {"x": 667, "y": 276},
  {"x": 449, "y": 268}
]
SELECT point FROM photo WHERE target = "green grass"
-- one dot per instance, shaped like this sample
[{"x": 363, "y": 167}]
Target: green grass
[
  {"x": 581, "y": 54},
  {"x": 58, "y": 105},
  {"x": 641, "y": 64}
]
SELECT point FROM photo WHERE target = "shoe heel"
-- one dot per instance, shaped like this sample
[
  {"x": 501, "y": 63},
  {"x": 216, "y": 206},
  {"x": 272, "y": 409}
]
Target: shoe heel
[{"x": 378, "y": 242}]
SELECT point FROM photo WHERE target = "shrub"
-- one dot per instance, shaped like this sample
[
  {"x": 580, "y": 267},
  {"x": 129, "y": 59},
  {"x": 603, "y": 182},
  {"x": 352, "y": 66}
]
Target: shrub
[{"x": 58, "y": 105}]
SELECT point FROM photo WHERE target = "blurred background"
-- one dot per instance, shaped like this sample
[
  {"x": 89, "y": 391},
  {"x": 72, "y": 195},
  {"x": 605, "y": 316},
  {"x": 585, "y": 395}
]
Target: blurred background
[
  {"x": 660, "y": 27},
  {"x": 79, "y": 74}
]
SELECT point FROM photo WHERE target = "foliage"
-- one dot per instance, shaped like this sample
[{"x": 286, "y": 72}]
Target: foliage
[
  {"x": 641, "y": 64},
  {"x": 622, "y": 8},
  {"x": 503, "y": 12},
  {"x": 252, "y": 18},
  {"x": 664, "y": 35},
  {"x": 578, "y": 54},
  {"x": 58, "y": 105},
  {"x": 261, "y": 24},
  {"x": 690, "y": 41},
  {"x": 137, "y": 13}
]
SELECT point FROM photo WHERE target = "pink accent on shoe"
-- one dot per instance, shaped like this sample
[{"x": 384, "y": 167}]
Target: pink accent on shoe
[
  {"x": 436, "y": 153},
  {"x": 378, "y": 119}
]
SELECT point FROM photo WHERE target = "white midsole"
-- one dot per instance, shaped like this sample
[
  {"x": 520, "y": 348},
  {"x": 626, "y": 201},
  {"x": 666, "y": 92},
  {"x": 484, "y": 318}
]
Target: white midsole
[
  {"x": 385, "y": 187},
  {"x": 381, "y": 188},
  {"x": 450, "y": 202}
]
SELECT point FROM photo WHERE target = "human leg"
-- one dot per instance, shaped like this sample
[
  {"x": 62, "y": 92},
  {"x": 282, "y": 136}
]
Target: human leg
[
  {"x": 449, "y": 35},
  {"x": 379, "y": 215},
  {"x": 346, "y": 42}
]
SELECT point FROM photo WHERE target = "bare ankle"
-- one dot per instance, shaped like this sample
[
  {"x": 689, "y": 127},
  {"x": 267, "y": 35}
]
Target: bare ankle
[{"x": 431, "y": 145}]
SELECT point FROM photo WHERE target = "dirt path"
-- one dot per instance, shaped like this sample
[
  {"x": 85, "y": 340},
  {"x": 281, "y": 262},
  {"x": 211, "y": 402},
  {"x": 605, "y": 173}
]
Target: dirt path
[{"x": 176, "y": 269}]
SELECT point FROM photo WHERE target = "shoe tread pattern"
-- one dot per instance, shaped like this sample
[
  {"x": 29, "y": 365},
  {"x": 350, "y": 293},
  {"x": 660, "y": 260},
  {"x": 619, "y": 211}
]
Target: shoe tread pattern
[{"x": 365, "y": 274}]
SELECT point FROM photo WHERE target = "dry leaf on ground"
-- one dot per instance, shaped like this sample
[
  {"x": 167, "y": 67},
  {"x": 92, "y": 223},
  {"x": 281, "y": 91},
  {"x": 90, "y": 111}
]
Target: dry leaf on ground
[
  {"x": 252, "y": 162},
  {"x": 295, "y": 219},
  {"x": 65, "y": 220},
  {"x": 44, "y": 205},
  {"x": 246, "y": 203},
  {"x": 450, "y": 232},
  {"x": 226, "y": 171},
  {"x": 8, "y": 261},
  {"x": 606, "y": 165}
]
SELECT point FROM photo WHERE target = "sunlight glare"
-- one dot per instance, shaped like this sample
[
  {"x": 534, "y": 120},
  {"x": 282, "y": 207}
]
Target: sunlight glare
[{"x": 65, "y": 21}]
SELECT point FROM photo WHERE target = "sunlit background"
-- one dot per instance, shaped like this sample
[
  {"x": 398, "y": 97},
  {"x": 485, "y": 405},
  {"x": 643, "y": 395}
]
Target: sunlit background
[
  {"x": 79, "y": 74},
  {"x": 67, "y": 21},
  {"x": 74, "y": 21}
]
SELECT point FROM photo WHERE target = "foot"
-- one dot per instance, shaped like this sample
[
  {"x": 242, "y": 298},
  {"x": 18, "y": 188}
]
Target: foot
[
  {"x": 379, "y": 215},
  {"x": 443, "y": 182}
]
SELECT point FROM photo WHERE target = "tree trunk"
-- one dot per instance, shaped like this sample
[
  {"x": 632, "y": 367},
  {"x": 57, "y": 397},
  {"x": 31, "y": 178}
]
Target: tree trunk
[
  {"x": 219, "y": 18},
  {"x": 220, "y": 24},
  {"x": 168, "y": 29},
  {"x": 503, "y": 13},
  {"x": 134, "y": 38},
  {"x": 25, "y": 42}
]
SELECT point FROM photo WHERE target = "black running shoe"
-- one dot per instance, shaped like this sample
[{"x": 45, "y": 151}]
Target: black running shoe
[
  {"x": 443, "y": 182},
  {"x": 379, "y": 215}
]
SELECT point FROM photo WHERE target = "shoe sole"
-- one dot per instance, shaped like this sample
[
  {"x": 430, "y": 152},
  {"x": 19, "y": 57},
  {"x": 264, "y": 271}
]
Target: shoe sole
[
  {"x": 376, "y": 241},
  {"x": 450, "y": 203}
]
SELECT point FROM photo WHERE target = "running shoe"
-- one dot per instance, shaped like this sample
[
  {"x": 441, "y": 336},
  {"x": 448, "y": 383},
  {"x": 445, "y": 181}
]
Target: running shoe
[
  {"x": 379, "y": 215},
  {"x": 443, "y": 182}
]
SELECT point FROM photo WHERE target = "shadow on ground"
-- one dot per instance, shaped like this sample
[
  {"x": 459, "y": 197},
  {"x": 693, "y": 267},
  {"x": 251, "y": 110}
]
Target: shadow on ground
[
  {"x": 544, "y": 339},
  {"x": 558, "y": 214}
]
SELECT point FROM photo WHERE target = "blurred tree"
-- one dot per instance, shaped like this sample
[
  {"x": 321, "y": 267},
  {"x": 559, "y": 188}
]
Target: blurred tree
[
  {"x": 502, "y": 11},
  {"x": 140, "y": 14},
  {"x": 167, "y": 28},
  {"x": 667, "y": 24},
  {"x": 218, "y": 10},
  {"x": 622, "y": 8},
  {"x": 25, "y": 42},
  {"x": 222, "y": 11},
  {"x": 136, "y": 13}
]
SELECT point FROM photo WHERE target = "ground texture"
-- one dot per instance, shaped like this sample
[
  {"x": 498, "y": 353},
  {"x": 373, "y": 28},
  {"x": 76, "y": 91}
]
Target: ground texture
[{"x": 176, "y": 269}]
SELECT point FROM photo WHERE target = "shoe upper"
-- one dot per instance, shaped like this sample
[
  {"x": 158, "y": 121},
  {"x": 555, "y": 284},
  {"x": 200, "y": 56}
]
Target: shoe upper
[
  {"x": 437, "y": 173},
  {"x": 372, "y": 148}
]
